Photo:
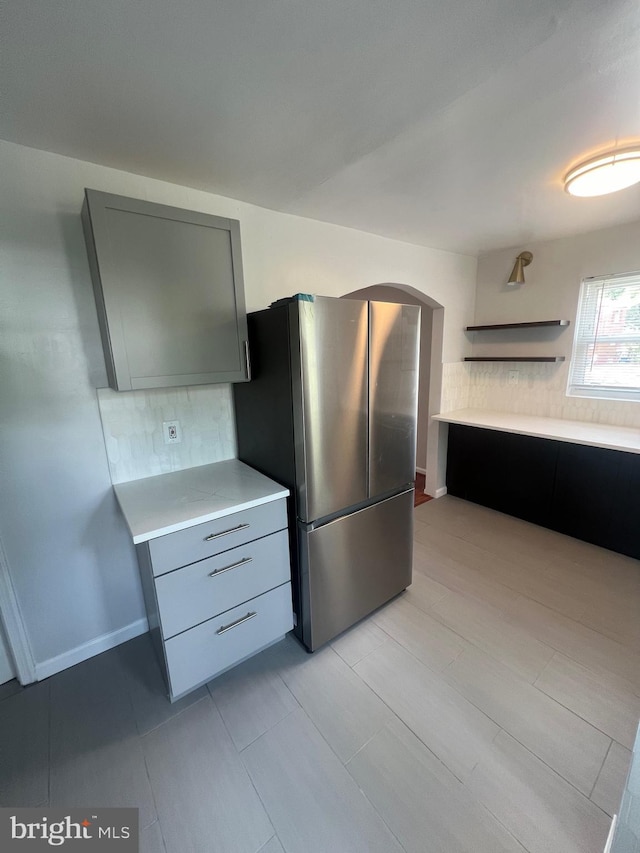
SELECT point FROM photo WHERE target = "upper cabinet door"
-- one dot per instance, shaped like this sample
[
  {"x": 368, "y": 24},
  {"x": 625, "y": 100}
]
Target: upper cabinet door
[
  {"x": 393, "y": 395},
  {"x": 332, "y": 459},
  {"x": 169, "y": 291}
]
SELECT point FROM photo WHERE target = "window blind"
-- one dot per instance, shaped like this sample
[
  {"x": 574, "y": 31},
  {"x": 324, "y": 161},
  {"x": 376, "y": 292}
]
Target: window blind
[{"x": 606, "y": 348}]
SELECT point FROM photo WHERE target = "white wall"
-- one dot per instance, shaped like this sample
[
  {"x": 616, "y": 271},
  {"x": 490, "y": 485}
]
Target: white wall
[
  {"x": 71, "y": 562},
  {"x": 551, "y": 292}
]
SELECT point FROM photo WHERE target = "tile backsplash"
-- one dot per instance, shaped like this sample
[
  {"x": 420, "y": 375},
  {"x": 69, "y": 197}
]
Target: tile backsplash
[
  {"x": 132, "y": 426},
  {"x": 455, "y": 386},
  {"x": 540, "y": 390}
]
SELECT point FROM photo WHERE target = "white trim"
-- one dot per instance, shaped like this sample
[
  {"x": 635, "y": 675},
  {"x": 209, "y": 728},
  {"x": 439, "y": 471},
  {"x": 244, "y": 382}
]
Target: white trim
[
  {"x": 91, "y": 648},
  {"x": 14, "y": 627},
  {"x": 612, "y": 830},
  {"x": 440, "y": 493},
  {"x": 421, "y": 471}
]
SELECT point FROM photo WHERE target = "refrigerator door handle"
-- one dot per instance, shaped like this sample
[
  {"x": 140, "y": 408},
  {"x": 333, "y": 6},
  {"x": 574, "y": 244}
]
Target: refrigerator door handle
[{"x": 247, "y": 360}]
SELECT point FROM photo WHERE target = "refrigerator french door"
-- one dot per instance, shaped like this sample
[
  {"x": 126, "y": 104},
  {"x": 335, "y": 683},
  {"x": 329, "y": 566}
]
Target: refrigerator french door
[{"x": 331, "y": 413}]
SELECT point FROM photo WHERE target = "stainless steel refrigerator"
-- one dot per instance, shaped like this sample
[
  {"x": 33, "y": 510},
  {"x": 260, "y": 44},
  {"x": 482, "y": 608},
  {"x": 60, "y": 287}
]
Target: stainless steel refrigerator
[{"x": 330, "y": 412}]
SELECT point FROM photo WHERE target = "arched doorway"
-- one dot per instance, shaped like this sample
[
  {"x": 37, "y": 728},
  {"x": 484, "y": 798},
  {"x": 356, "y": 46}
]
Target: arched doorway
[{"x": 430, "y": 378}]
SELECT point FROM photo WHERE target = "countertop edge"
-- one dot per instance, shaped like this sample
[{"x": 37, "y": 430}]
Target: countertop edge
[
  {"x": 146, "y": 535},
  {"x": 474, "y": 418}
]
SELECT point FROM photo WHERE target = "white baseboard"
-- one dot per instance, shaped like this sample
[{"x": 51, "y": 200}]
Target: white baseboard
[
  {"x": 421, "y": 471},
  {"x": 15, "y": 629},
  {"x": 88, "y": 650},
  {"x": 440, "y": 493}
]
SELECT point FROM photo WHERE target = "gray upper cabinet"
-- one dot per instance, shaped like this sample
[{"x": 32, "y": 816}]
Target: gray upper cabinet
[{"x": 170, "y": 293}]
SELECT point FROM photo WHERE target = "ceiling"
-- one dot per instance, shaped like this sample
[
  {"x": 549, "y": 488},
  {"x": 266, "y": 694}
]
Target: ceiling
[{"x": 446, "y": 124}]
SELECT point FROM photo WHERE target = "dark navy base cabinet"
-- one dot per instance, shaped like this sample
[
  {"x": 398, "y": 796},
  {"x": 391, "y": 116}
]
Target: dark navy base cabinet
[{"x": 586, "y": 492}]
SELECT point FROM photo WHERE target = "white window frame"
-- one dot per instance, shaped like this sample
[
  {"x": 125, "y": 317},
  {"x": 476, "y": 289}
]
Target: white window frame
[{"x": 585, "y": 319}]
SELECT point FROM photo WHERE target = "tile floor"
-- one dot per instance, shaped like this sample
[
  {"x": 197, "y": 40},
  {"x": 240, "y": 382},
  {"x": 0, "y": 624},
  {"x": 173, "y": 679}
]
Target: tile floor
[{"x": 490, "y": 708}]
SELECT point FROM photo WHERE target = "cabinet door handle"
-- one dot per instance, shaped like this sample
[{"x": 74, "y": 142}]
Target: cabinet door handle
[
  {"x": 247, "y": 359},
  {"x": 225, "y": 532},
  {"x": 224, "y": 628},
  {"x": 232, "y": 566}
]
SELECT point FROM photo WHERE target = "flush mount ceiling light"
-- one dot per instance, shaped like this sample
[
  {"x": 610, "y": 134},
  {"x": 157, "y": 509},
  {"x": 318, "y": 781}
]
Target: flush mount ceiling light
[
  {"x": 606, "y": 173},
  {"x": 517, "y": 273}
]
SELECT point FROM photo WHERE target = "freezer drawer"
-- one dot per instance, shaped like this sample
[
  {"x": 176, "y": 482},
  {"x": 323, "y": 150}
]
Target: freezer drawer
[{"x": 352, "y": 565}]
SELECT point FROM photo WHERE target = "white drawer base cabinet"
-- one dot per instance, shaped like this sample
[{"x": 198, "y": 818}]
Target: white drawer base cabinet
[{"x": 217, "y": 593}]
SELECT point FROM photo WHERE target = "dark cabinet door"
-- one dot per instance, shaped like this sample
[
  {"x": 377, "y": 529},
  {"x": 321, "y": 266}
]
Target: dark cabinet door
[
  {"x": 504, "y": 471},
  {"x": 529, "y": 466},
  {"x": 474, "y": 465},
  {"x": 584, "y": 497},
  {"x": 458, "y": 460},
  {"x": 625, "y": 521}
]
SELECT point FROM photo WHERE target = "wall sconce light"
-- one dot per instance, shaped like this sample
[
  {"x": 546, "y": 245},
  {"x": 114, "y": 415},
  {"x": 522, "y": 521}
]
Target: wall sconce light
[{"x": 517, "y": 273}]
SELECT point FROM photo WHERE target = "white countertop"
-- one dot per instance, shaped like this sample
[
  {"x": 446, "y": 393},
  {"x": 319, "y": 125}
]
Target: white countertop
[
  {"x": 163, "y": 504},
  {"x": 574, "y": 432}
]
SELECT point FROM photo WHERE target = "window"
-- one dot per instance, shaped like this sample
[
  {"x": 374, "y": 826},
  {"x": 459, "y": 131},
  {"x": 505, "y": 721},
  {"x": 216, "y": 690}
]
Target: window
[{"x": 606, "y": 348}]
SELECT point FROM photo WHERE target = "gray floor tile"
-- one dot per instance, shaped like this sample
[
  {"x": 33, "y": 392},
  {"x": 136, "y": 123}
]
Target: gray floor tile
[
  {"x": 605, "y": 701},
  {"x": 205, "y": 799},
  {"x": 252, "y": 698},
  {"x": 151, "y": 840},
  {"x": 616, "y": 618},
  {"x": 518, "y": 566},
  {"x": 422, "y": 803},
  {"x": 486, "y": 628},
  {"x": 425, "y": 637},
  {"x": 542, "y": 810},
  {"x": 24, "y": 747},
  {"x": 424, "y": 592},
  {"x": 460, "y": 575},
  {"x": 151, "y": 705},
  {"x": 608, "y": 790},
  {"x": 272, "y": 846},
  {"x": 450, "y": 726},
  {"x": 359, "y": 641},
  {"x": 584, "y": 645},
  {"x": 10, "y": 688},
  {"x": 313, "y": 802},
  {"x": 564, "y": 741},
  {"x": 344, "y": 709},
  {"x": 96, "y": 755}
]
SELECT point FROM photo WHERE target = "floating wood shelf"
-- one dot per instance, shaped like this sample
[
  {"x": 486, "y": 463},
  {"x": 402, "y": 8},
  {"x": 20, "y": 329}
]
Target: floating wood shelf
[
  {"x": 538, "y": 324},
  {"x": 546, "y": 358}
]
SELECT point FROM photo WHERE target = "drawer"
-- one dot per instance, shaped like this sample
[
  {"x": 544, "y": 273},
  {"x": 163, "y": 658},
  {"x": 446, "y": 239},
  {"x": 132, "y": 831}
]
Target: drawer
[
  {"x": 204, "y": 540},
  {"x": 202, "y": 652},
  {"x": 197, "y": 592}
]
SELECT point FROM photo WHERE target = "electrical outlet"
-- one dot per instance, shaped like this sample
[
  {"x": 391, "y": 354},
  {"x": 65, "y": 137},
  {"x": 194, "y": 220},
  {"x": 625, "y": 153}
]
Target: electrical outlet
[
  {"x": 514, "y": 375},
  {"x": 171, "y": 432}
]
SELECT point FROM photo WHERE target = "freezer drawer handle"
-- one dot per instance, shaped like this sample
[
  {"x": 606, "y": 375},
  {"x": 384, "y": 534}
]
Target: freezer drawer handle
[
  {"x": 225, "y": 532},
  {"x": 224, "y": 628},
  {"x": 232, "y": 566}
]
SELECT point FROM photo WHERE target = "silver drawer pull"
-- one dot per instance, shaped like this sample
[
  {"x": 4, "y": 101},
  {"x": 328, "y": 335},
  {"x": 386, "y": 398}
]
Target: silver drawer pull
[
  {"x": 225, "y": 532},
  {"x": 224, "y": 628},
  {"x": 232, "y": 566}
]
